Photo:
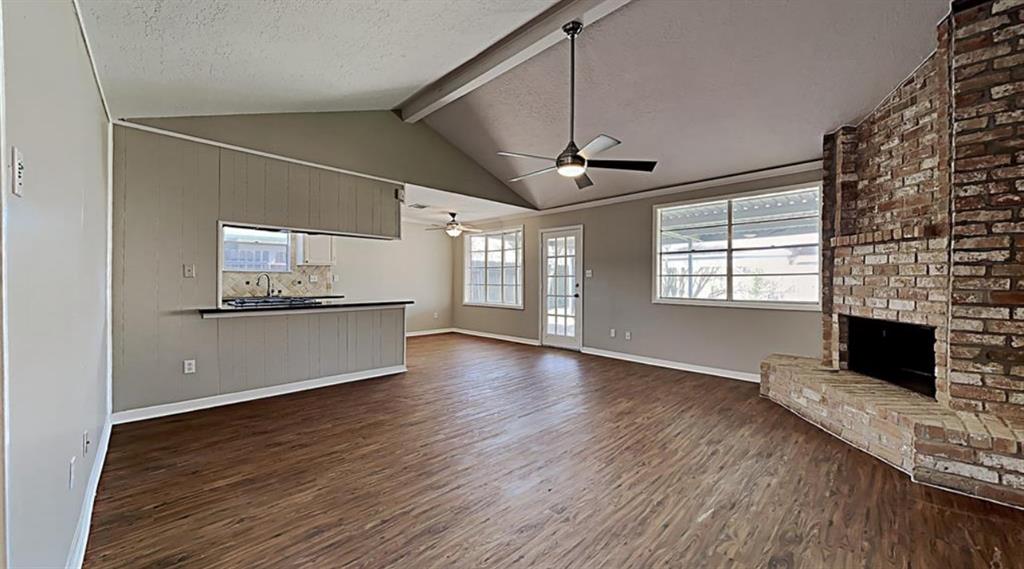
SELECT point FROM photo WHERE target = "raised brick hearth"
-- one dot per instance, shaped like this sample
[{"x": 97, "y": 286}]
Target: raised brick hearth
[
  {"x": 973, "y": 453},
  {"x": 923, "y": 224}
]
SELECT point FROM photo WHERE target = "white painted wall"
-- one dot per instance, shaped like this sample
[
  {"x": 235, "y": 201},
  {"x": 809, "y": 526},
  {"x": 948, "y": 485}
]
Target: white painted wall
[
  {"x": 418, "y": 267},
  {"x": 56, "y": 280}
]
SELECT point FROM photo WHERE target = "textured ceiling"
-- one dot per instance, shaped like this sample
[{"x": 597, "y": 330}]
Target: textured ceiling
[
  {"x": 438, "y": 203},
  {"x": 203, "y": 57},
  {"x": 706, "y": 87}
]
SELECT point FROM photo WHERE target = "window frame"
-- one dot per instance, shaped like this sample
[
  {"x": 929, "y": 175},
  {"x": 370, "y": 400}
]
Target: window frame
[
  {"x": 466, "y": 254},
  {"x": 814, "y": 306},
  {"x": 289, "y": 267}
]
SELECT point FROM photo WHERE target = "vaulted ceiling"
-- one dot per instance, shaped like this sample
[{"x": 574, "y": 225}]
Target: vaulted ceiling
[
  {"x": 206, "y": 57},
  {"x": 706, "y": 87}
]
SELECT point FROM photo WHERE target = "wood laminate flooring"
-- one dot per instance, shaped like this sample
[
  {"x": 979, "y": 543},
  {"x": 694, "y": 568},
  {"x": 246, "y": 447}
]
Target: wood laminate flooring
[{"x": 495, "y": 455}]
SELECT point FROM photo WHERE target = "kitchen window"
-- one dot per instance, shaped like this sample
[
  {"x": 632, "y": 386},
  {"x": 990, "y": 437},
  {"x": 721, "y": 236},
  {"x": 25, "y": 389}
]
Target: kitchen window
[
  {"x": 757, "y": 251},
  {"x": 256, "y": 250},
  {"x": 494, "y": 269}
]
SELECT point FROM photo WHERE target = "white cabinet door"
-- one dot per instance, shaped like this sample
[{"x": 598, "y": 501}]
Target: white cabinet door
[{"x": 315, "y": 250}]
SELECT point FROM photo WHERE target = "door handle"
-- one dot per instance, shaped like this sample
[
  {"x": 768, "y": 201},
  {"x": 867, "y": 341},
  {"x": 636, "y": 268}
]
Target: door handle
[{"x": 577, "y": 295}]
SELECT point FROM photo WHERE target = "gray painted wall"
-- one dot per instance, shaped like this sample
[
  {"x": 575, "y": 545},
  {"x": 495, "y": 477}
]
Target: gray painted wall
[
  {"x": 168, "y": 196},
  {"x": 370, "y": 142},
  {"x": 418, "y": 267},
  {"x": 56, "y": 280},
  {"x": 618, "y": 249}
]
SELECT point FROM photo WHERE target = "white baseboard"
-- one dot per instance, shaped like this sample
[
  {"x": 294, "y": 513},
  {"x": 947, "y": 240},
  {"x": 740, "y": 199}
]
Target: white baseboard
[
  {"x": 729, "y": 373},
  {"x": 429, "y": 332},
  {"x": 76, "y": 556},
  {"x": 242, "y": 396},
  {"x": 515, "y": 339}
]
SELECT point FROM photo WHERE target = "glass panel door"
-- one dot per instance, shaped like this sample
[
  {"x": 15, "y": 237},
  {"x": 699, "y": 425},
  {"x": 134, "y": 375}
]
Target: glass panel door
[{"x": 561, "y": 309}]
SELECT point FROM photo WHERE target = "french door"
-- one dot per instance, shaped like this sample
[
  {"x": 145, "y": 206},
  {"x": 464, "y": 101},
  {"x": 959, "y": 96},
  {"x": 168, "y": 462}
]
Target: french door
[{"x": 562, "y": 287}]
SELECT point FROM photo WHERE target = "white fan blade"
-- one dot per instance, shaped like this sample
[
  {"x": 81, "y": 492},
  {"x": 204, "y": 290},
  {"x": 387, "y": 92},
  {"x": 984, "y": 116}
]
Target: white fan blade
[
  {"x": 522, "y": 155},
  {"x": 600, "y": 143},
  {"x": 538, "y": 172}
]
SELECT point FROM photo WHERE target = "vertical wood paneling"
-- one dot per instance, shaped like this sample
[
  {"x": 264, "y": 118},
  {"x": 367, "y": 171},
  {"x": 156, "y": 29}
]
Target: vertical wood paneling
[
  {"x": 348, "y": 186},
  {"x": 391, "y": 335},
  {"x": 328, "y": 343},
  {"x": 256, "y": 352},
  {"x": 298, "y": 196},
  {"x": 367, "y": 328},
  {"x": 276, "y": 345},
  {"x": 353, "y": 341},
  {"x": 297, "y": 355},
  {"x": 139, "y": 285},
  {"x": 388, "y": 211},
  {"x": 168, "y": 197},
  {"x": 341, "y": 348},
  {"x": 120, "y": 175},
  {"x": 313, "y": 326},
  {"x": 255, "y": 190},
  {"x": 277, "y": 193},
  {"x": 314, "y": 199},
  {"x": 366, "y": 203},
  {"x": 231, "y": 355},
  {"x": 330, "y": 214},
  {"x": 234, "y": 180}
]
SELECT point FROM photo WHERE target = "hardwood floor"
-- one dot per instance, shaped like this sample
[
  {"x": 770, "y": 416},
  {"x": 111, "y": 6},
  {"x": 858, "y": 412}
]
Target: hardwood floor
[{"x": 490, "y": 454}]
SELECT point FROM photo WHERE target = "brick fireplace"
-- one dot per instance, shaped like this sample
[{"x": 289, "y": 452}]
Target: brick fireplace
[{"x": 923, "y": 242}]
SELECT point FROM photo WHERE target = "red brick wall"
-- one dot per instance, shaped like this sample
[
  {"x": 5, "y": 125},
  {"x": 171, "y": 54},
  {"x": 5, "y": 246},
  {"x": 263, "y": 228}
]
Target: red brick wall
[
  {"x": 987, "y": 338},
  {"x": 887, "y": 187}
]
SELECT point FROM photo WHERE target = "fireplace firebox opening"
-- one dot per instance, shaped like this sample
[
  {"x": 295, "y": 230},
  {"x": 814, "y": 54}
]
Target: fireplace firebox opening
[{"x": 902, "y": 354}]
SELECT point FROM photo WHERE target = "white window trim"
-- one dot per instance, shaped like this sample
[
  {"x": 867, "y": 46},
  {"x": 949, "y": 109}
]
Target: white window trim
[
  {"x": 522, "y": 263},
  {"x": 746, "y": 304},
  {"x": 291, "y": 267}
]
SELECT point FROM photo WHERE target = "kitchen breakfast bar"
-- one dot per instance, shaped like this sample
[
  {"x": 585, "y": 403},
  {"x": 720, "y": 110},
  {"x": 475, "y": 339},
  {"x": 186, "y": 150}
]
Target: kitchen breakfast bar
[{"x": 273, "y": 350}]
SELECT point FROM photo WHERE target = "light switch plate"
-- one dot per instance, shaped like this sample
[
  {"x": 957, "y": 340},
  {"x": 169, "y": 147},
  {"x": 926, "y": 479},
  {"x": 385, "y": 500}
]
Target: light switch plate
[
  {"x": 189, "y": 270},
  {"x": 313, "y": 278},
  {"x": 611, "y": 332},
  {"x": 629, "y": 335},
  {"x": 17, "y": 172}
]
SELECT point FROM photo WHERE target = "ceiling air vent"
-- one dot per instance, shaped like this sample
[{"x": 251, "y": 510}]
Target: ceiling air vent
[{"x": 416, "y": 206}]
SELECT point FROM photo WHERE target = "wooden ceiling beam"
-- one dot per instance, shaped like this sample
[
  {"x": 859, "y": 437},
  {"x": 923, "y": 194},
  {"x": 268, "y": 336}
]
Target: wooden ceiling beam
[{"x": 528, "y": 40}]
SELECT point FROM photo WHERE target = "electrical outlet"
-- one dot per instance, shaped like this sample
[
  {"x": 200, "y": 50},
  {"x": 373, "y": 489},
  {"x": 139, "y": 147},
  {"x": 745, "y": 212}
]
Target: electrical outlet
[
  {"x": 17, "y": 172},
  {"x": 588, "y": 273},
  {"x": 188, "y": 270},
  {"x": 629, "y": 335},
  {"x": 314, "y": 278},
  {"x": 611, "y": 332},
  {"x": 71, "y": 474},
  {"x": 85, "y": 443},
  {"x": 188, "y": 366},
  {"x": 435, "y": 316}
]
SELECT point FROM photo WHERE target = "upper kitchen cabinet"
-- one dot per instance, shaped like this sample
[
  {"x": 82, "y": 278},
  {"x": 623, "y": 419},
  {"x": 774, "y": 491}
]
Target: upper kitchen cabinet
[{"x": 265, "y": 191}]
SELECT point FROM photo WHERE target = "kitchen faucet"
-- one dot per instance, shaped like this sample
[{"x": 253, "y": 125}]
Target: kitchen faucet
[{"x": 260, "y": 276}]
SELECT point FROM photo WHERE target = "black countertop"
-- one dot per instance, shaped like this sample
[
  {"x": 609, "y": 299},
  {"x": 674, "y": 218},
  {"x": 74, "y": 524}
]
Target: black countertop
[{"x": 335, "y": 302}]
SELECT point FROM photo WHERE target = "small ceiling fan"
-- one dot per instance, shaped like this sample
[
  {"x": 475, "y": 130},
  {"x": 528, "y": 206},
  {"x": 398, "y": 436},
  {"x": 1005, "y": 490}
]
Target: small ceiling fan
[
  {"x": 573, "y": 161},
  {"x": 454, "y": 227}
]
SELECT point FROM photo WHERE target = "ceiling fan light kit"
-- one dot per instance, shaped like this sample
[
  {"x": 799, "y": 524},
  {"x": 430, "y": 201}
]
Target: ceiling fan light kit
[
  {"x": 454, "y": 227},
  {"x": 573, "y": 161}
]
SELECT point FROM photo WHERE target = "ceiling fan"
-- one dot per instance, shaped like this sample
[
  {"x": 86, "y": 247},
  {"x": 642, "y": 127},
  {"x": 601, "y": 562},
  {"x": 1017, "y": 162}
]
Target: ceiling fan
[
  {"x": 573, "y": 161},
  {"x": 454, "y": 227}
]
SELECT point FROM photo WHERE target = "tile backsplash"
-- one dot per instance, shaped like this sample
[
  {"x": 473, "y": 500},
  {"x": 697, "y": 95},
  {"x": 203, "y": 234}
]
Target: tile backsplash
[{"x": 294, "y": 283}]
